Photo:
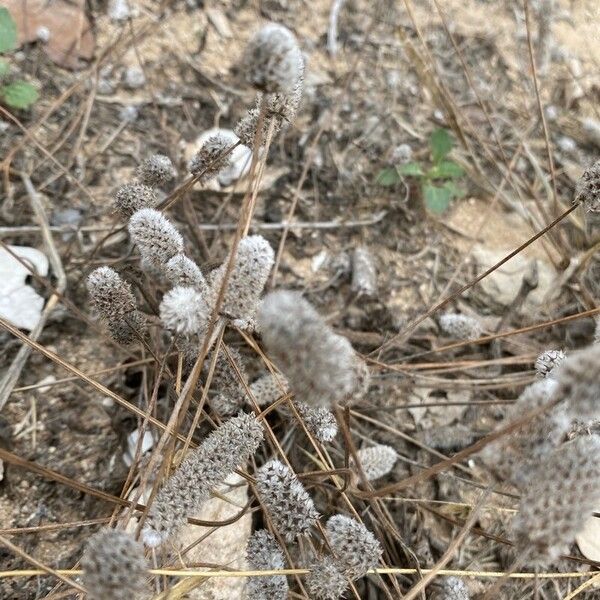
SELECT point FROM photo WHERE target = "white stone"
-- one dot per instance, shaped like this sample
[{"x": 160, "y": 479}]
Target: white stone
[{"x": 20, "y": 303}]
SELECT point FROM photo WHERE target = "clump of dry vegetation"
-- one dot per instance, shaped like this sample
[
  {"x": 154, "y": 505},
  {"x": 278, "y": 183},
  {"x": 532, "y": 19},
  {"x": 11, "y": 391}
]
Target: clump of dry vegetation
[{"x": 285, "y": 379}]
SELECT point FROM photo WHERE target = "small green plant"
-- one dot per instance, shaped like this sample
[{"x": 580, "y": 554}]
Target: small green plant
[
  {"x": 16, "y": 93},
  {"x": 438, "y": 183}
]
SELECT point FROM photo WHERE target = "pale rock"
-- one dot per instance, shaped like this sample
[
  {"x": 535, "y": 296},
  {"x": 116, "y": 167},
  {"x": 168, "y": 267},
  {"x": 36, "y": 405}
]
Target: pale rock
[
  {"x": 588, "y": 539},
  {"x": 20, "y": 303},
  {"x": 504, "y": 283},
  {"x": 132, "y": 441},
  {"x": 224, "y": 547}
]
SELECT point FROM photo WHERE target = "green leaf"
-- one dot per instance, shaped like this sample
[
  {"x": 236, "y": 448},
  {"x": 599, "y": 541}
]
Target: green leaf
[
  {"x": 454, "y": 189},
  {"x": 8, "y": 31},
  {"x": 437, "y": 199},
  {"x": 388, "y": 177},
  {"x": 446, "y": 169},
  {"x": 441, "y": 143},
  {"x": 410, "y": 169},
  {"x": 19, "y": 94},
  {"x": 4, "y": 68}
]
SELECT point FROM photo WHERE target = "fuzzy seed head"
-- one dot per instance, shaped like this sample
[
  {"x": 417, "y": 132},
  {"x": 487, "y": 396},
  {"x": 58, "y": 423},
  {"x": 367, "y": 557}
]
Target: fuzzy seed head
[
  {"x": 155, "y": 236},
  {"x": 588, "y": 188},
  {"x": 401, "y": 154},
  {"x": 561, "y": 494},
  {"x": 231, "y": 393},
  {"x": 289, "y": 505},
  {"x": 461, "y": 327},
  {"x": 377, "y": 461},
  {"x": 111, "y": 296},
  {"x": 155, "y": 170},
  {"x": 205, "y": 467},
  {"x": 181, "y": 270},
  {"x": 356, "y": 548},
  {"x": 524, "y": 448},
  {"x": 184, "y": 311},
  {"x": 452, "y": 588},
  {"x": 280, "y": 110},
  {"x": 547, "y": 361},
  {"x": 597, "y": 332},
  {"x": 114, "y": 567},
  {"x": 263, "y": 553},
  {"x": 325, "y": 580},
  {"x": 364, "y": 272},
  {"x": 268, "y": 388},
  {"x": 285, "y": 106},
  {"x": 127, "y": 330},
  {"x": 131, "y": 197},
  {"x": 247, "y": 279},
  {"x": 320, "y": 365},
  {"x": 319, "y": 421},
  {"x": 273, "y": 61},
  {"x": 578, "y": 383},
  {"x": 211, "y": 159},
  {"x": 247, "y": 127}
]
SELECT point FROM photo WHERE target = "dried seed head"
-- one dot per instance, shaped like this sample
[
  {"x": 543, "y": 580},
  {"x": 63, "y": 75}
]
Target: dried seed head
[
  {"x": 264, "y": 553},
  {"x": 325, "y": 580},
  {"x": 247, "y": 126},
  {"x": 227, "y": 447},
  {"x": 588, "y": 188},
  {"x": 377, "y": 461},
  {"x": 320, "y": 421},
  {"x": 284, "y": 107},
  {"x": 134, "y": 196},
  {"x": 211, "y": 159},
  {"x": 578, "y": 383},
  {"x": 289, "y": 505},
  {"x": 181, "y": 270},
  {"x": 111, "y": 296},
  {"x": 547, "y": 361},
  {"x": 155, "y": 236},
  {"x": 273, "y": 61},
  {"x": 155, "y": 170},
  {"x": 320, "y": 365},
  {"x": 268, "y": 388},
  {"x": 401, "y": 154},
  {"x": 364, "y": 273},
  {"x": 461, "y": 327},
  {"x": 561, "y": 494},
  {"x": 184, "y": 311},
  {"x": 247, "y": 279},
  {"x": 231, "y": 393},
  {"x": 451, "y": 588},
  {"x": 114, "y": 567},
  {"x": 448, "y": 438},
  {"x": 521, "y": 450},
  {"x": 355, "y": 547},
  {"x": 280, "y": 110},
  {"x": 127, "y": 330}
]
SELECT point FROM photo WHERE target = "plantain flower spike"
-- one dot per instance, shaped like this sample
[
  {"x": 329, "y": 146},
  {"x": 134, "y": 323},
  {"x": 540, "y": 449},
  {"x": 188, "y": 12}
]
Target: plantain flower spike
[
  {"x": 205, "y": 467},
  {"x": 321, "y": 366},
  {"x": 155, "y": 236},
  {"x": 114, "y": 567},
  {"x": 263, "y": 553},
  {"x": 289, "y": 505},
  {"x": 561, "y": 494}
]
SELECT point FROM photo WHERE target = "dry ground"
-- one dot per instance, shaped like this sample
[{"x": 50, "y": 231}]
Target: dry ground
[{"x": 397, "y": 75}]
